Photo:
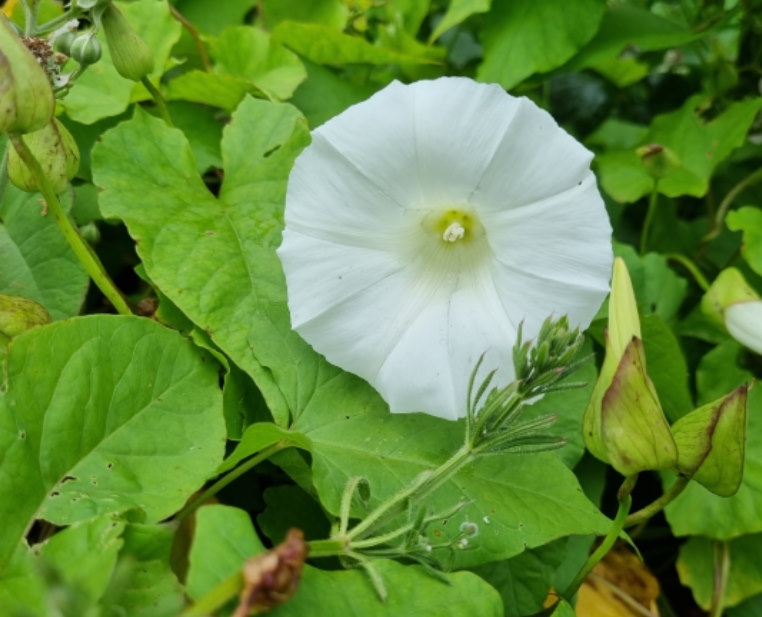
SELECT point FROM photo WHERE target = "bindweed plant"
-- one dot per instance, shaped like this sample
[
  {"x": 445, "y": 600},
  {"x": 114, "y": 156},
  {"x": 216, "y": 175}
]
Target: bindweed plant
[{"x": 303, "y": 308}]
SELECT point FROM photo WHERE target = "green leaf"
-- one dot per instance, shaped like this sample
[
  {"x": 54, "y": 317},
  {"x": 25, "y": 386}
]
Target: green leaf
[
  {"x": 223, "y": 539},
  {"x": 203, "y": 130},
  {"x": 695, "y": 565},
  {"x": 102, "y": 414},
  {"x": 224, "y": 91},
  {"x": 332, "y": 13},
  {"x": 749, "y": 220},
  {"x": 412, "y": 593},
  {"x": 100, "y": 91},
  {"x": 326, "y": 45},
  {"x": 215, "y": 258},
  {"x": 657, "y": 288},
  {"x": 143, "y": 584},
  {"x": 504, "y": 492},
  {"x": 666, "y": 367},
  {"x": 627, "y": 25},
  {"x": 698, "y": 145},
  {"x": 81, "y": 556},
  {"x": 749, "y": 608},
  {"x": 524, "y": 581},
  {"x": 242, "y": 401},
  {"x": 523, "y": 37},
  {"x": 457, "y": 11},
  {"x": 37, "y": 262},
  {"x": 696, "y": 511},
  {"x": 570, "y": 406},
  {"x": 325, "y": 94},
  {"x": 249, "y": 53},
  {"x": 260, "y": 436},
  {"x": 213, "y": 17}
]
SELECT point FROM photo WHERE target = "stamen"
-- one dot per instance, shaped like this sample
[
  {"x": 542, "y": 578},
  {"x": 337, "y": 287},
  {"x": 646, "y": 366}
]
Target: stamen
[{"x": 455, "y": 231}]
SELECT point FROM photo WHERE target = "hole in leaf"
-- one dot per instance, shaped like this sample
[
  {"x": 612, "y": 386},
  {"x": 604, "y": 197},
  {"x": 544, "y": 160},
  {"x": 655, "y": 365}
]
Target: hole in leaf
[{"x": 271, "y": 150}]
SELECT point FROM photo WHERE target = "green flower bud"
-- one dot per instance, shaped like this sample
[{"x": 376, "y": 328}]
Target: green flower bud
[
  {"x": 62, "y": 43},
  {"x": 624, "y": 424},
  {"x": 659, "y": 161},
  {"x": 711, "y": 442},
  {"x": 86, "y": 49},
  {"x": 728, "y": 288},
  {"x": 18, "y": 315},
  {"x": 55, "y": 149},
  {"x": 732, "y": 303},
  {"x": 131, "y": 56},
  {"x": 26, "y": 96}
]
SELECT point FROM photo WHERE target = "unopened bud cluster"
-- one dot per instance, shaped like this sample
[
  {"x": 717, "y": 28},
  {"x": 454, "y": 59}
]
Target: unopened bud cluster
[{"x": 624, "y": 424}]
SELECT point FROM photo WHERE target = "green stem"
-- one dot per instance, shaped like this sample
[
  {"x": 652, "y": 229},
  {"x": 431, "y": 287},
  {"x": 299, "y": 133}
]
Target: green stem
[
  {"x": 161, "y": 104},
  {"x": 30, "y": 16},
  {"x": 328, "y": 548},
  {"x": 658, "y": 504},
  {"x": 81, "y": 248},
  {"x": 603, "y": 548},
  {"x": 691, "y": 267},
  {"x": 205, "y": 60},
  {"x": 719, "y": 217},
  {"x": 216, "y": 597},
  {"x": 59, "y": 21},
  {"x": 652, "y": 201},
  {"x": 233, "y": 474},
  {"x": 721, "y": 571}
]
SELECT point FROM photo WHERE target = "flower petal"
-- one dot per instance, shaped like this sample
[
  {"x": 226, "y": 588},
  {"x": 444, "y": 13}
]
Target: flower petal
[
  {"x": 563, "y": 239},
  {"x": 535, "y": 160},
  {"x": 425, "y": 144},
  {"x": 375, "y": 286},
  {"x": 323, "y": 274}
]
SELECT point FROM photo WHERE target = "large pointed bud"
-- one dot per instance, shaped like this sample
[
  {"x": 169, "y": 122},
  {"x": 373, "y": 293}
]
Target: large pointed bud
[
  {"x": 624, "y": 424},
  {"x": 26, "y": 95},
  {"x": 57, "y": 152},
  {"x": 131, "y": 56},
  {"x": 732, "y": 303},
  {"x": 711, "y": 442}
]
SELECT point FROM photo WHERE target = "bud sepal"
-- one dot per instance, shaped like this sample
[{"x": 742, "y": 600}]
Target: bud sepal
[{"x": 711, "y": 442}]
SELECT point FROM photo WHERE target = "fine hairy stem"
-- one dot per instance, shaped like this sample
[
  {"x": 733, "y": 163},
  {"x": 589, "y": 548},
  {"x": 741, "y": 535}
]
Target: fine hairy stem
[
  {"x": 79, "y": 245},
  {"x": 625, "y": 502},
  {"x": 158, "y": 99},
  {"x": 233, "y": 474},
  {"x": 426, "y": 483},
  {"x": 658, "y": 504},
  {"x": 205, "y": 60},
  {"x": 652, "y": 201},
  {"x": 722, "y": 210},
  {"x": 721, "y": 571}
]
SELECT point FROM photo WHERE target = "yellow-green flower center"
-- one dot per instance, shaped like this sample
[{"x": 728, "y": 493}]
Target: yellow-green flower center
[{"x": 454, "y": 225}]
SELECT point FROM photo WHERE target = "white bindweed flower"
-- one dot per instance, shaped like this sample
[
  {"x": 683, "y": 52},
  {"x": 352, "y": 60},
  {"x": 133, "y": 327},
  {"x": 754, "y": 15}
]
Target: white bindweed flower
[
  {"x": 424, "y": 224},
  {"x": 744, "y": 322}
]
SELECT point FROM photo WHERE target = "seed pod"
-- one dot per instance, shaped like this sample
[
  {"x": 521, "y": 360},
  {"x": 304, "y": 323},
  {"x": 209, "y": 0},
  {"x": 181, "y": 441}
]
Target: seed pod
[
  {"x": 26, "y": 96},
  {"x": 62, "y": 43},
  {"x": 54, "y": 147},
  {"x": 86, "y": 49},
  {"x": 131, "y": 56}
]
